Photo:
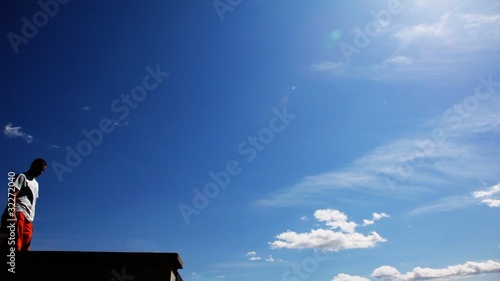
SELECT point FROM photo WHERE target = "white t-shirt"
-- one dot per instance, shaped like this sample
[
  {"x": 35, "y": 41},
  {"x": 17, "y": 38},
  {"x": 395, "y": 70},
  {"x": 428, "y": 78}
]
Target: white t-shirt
[{"x": 26, "y": 198}]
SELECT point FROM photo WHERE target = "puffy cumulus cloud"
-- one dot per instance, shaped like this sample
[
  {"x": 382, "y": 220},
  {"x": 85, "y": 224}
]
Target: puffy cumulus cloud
[
  {"x": 494, "y": 203},
  {"x": 326, "y": 239},
  {"x": 341, "y": 234},
  {"x": 15, "y": 132},
  {"x": 388, "y": 273},
  {"x": 252, "y": 255},
  {"x": 346, "y": 277},
  {"x": 335, "y": 219},
  {"x": 376, "y": 217},
  {"x": 490, "y": 196},
  {"x": 455, "y": 271}
]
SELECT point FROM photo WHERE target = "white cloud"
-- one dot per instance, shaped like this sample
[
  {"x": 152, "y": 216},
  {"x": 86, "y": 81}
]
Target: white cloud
[
  {"x": 438, "y": 156},
  {"x": 376, "y": 217},
  {"x": 443, "y": 48},
  {"x": 415, "y": 32},
  {"x": 335, "y": 219},
  {"x": 15, "y": 132},
  {"x": 401, "y": 60},
  {"x": 450, "y": 272},
  {"x": 473, "y": 21},
  {"x": 428, "y": 47},
  {"x": 346, "y": 277},
  {"x": 487, "y": 193},
  {"x": 328, "y": 239},
  {"x": 252, "y": 256},
  {"x": 494, "y": 203},
  {"x": 395, "y": 169},
  {"x": 329, "y": 67},
  {"x": 488, "y": 196},
  {"x": 443, "y": 205},
  {"x": 270, "y": 259}
]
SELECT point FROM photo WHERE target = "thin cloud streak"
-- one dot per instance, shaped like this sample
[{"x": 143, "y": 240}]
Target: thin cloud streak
[
  {"x": 443, "y": 205},
  {"x": 443, "y": 48},
  {"x": 438, "y": 157},
  {"x": 346, "y": 277},
  {"x": 15, "y": 132},
  {"x": 454, "y": 271}
]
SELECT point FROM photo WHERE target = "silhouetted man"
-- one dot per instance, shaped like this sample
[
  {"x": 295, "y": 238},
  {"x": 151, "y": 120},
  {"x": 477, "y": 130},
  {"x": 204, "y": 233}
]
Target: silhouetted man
[{"x": 19, "y": 214}]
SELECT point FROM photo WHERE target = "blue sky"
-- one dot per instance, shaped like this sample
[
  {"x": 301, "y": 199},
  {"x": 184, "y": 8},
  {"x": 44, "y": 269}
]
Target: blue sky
[{"x": 262, "y": 140}]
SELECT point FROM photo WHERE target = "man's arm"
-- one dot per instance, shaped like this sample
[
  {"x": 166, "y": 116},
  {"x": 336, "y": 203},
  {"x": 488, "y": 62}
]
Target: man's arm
[
  {"x": 11, "y": 204},
  {"x": 14, "y": 190}
]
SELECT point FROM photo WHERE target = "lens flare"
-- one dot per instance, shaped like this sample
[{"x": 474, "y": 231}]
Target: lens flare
[{"x": 336, "y": 34}]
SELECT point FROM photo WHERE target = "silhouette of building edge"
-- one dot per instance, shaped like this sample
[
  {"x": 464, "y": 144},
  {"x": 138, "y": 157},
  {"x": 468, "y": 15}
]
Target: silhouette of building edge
[{"x": 92, "y": 266}]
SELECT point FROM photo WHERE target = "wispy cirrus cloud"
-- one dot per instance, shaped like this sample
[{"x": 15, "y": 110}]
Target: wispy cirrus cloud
[
  {"x": 16, "y": 132},
  {"x": 444, "y": 204},
  {"x": 438, "y": 156},
  {"x": 428, "y": 47},
  {"x": 441, "y": 49}
]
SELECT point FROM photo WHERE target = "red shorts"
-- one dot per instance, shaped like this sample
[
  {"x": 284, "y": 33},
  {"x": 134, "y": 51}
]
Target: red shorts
[{"x": 24, "y": 232}]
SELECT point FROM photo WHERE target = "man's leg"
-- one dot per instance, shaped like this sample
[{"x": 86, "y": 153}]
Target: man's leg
[
  {"x": 24, "y": 231},
  {"x": 28, "y": 234}
]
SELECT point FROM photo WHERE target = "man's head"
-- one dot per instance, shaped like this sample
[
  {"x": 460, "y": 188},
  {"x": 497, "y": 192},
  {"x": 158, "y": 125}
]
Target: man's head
[{"x": 37, "y": 167}]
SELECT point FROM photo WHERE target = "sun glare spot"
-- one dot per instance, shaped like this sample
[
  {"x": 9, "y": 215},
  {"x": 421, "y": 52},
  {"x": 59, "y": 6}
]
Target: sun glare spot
[{"x": 336, "y": 34}]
